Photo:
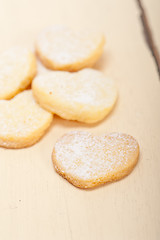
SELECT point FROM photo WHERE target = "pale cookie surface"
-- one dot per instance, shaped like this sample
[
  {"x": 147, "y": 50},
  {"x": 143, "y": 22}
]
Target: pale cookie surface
[
  {"x": 86, "y": 96},
  {"x": 87, "y": 161},
  {"x": 17, "y": 69},
  {"x": 22, "y": 121},
  {"x": 61, "y": 48}
]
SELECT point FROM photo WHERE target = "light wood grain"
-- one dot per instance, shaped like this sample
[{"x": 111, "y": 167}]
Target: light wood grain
[
  {"x": 152, "y": 9},
  {"x": 35, "y": 202}
]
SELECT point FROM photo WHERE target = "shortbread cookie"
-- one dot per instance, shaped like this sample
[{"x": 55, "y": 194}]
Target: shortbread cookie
[
  {"x": 87, "y": 161},
  {"x": 61, "y": 48},
  {"x": 22, "y": 121},
  {"x": 17, "y": 69},
  {"x": 86, "y": 96}
]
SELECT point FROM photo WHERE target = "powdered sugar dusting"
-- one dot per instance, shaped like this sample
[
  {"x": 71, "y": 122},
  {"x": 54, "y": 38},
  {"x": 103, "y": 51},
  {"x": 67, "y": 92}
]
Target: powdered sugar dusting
[
  {"x": 65, "y": 46},
  {"x": 88, "y": 157},
  {"x": 88, "y": 87},
  {"x": 15, "y": 65},
  {"x": 21, "y": 116}
]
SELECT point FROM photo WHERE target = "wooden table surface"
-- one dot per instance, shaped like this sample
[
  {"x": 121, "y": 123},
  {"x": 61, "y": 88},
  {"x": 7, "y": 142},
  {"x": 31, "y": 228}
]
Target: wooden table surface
[
  {"x": 35, "y": 202},
  {"x": 152, "y": 9}
]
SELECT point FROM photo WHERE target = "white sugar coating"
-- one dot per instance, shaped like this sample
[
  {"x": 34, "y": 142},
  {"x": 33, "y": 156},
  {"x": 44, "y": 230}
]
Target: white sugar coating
[
  {"x": 86, "y": 157},
  {"x": 21, "y": 116},
  {"x": 63, "y": 46},
  {"x": 87, "y": 87},
  {"x": 17, "y": 67}
]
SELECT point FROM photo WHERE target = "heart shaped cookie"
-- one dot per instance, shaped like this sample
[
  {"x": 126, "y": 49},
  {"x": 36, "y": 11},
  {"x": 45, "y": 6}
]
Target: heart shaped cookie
[
  {"x": 87, "y": 161},
  {"x": 61, "y": 48},
  {"x": 22, "y": 121},
  {"x": 86, "y": 96},
  {"x": 17, "y": 69}
]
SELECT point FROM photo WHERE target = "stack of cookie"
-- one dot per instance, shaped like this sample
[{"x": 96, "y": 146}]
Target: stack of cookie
[{"x": 71, "y": 90}]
